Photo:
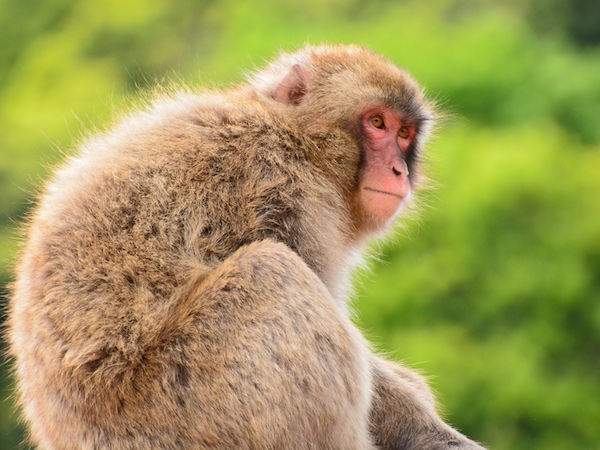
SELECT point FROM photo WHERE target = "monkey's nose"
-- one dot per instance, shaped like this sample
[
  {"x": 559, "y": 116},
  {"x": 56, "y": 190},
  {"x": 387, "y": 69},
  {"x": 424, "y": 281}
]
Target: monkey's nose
[{"x": 398, "y": 172}]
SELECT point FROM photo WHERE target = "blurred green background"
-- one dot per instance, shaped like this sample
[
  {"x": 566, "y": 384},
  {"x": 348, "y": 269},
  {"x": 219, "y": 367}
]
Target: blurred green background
[{"x": 494, "y": 291}]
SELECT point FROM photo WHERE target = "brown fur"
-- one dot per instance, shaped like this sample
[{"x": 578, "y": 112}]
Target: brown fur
[{"x": 184, "y": 280}]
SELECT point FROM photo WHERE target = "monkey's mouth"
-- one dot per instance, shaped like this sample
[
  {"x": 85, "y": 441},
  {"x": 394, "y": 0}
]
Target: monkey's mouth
[{"x": 384, "y": 192}]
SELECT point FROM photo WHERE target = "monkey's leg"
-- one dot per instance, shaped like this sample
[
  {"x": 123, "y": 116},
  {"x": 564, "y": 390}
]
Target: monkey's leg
[
  {"x": 403, "y": 414},
  {"x": 265, "y": 359}
]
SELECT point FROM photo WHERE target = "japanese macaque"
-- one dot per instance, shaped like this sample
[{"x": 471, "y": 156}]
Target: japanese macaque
[{"x": 184, "y": 280}]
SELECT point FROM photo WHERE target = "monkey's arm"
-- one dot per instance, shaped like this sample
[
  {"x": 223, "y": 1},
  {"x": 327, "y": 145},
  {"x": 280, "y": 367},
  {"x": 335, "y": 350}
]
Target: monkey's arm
[{"x": 403, "y": 414}]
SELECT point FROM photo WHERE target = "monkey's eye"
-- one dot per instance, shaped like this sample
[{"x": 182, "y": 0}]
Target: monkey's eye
[
  {"x": 404, "y": 133},
  {"x": 377, "y": 121}
]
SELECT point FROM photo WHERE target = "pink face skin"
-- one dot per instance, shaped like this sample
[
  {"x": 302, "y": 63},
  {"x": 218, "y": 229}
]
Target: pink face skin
[{"x": 384, "y": 184}]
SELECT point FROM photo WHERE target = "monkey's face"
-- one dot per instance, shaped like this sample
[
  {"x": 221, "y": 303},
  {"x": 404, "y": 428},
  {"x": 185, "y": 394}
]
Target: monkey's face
[
  {"x": 366, "y": 120},
  {"x": 384, "y": 185}
]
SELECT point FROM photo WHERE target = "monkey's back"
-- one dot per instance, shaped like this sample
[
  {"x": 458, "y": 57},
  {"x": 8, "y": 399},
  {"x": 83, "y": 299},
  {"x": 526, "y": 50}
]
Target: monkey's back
[
  {"x": 123, "y": 226},
  {"x": 145, "y": 204}
]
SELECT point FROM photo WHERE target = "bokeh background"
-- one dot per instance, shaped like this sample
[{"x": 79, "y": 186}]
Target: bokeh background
[{"x": 494, "y": 291}]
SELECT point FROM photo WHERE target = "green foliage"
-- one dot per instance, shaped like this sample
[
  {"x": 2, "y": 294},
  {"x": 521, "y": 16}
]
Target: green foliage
[
  {"x": 499, "y": 288},
  {"x": 495, "y": 290}
]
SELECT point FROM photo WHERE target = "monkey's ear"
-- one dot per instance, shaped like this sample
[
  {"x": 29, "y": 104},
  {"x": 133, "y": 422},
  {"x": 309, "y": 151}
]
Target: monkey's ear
[{"x": 293, "y": 87}]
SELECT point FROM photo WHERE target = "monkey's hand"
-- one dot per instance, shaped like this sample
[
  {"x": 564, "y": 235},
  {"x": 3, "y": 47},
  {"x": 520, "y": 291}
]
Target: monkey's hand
[{"x": 403, "y": 414}]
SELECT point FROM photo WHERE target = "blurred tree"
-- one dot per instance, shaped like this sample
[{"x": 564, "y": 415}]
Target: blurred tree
[
  {"x": 578, "y": 19},
  {"x": 584, "y": 21}
]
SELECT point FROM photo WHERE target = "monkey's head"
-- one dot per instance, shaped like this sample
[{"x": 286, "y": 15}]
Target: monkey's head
[{"x": 366, "y": 119}]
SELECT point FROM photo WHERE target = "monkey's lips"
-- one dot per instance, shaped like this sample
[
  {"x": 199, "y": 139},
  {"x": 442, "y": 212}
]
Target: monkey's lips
[
  {"x": 380, "y": 203},
  {"x": 385, "y": 192}
]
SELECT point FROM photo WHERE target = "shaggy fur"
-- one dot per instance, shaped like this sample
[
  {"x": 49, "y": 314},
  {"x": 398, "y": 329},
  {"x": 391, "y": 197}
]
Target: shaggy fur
[{"x": 184, "y": 280}]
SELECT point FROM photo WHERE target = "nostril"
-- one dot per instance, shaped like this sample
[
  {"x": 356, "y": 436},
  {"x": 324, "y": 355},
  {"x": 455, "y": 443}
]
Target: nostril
[{"x": 399, "y": 172}]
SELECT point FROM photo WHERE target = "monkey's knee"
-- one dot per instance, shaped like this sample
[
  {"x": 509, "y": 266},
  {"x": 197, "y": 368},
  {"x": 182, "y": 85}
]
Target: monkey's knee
[
  {"x": 270, "y": 272},
  {"x": 292, "y": 368},
  {"x": 268, "y": 256}
]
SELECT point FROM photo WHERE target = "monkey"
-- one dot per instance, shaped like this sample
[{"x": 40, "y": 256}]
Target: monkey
[{"x": 185, "y": 275}]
